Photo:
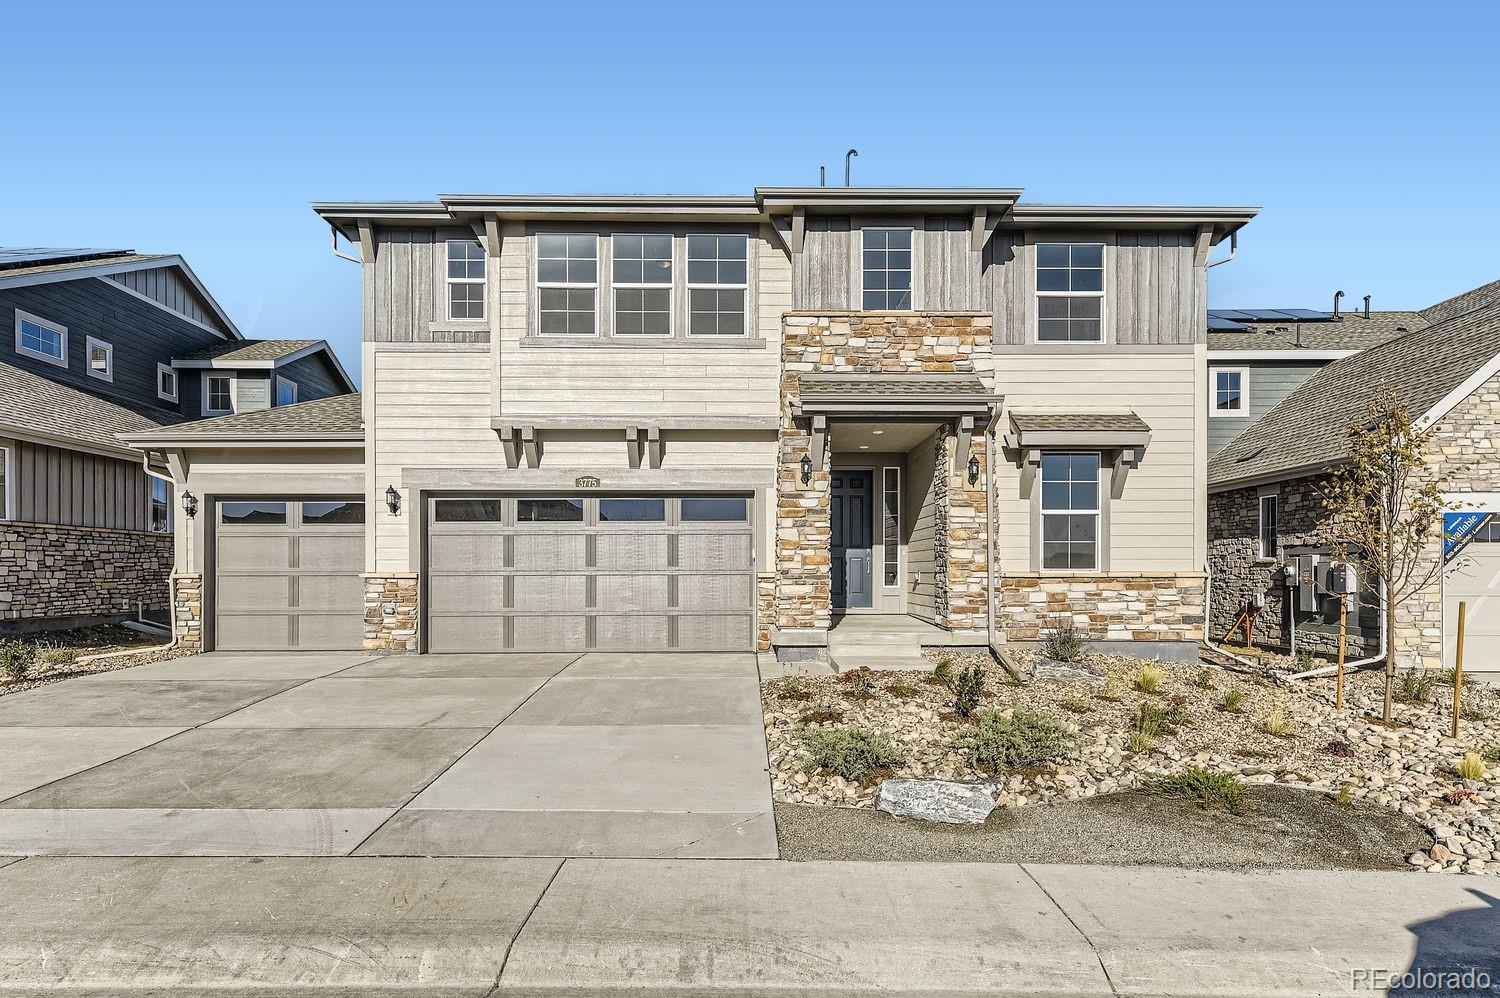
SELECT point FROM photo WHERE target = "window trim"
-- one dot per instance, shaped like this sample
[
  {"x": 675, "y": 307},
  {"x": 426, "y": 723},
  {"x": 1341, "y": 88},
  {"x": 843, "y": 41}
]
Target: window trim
[
  {"x": 8, "y": 490},
  {"x": 449, "y": 281},
  {"x": 1243, "y": 410},
  {"x": 1104, "y": 496},
  {"x": 89, "y": 343},
  {"x": 176, "y": 383},
  {"x": 888, "y": 544},
  {"x": 296, "y": 390},
  {"x": 689, "y": 287},
  {"x": 537, "y": 284},
  {"x": 209, "y": 376},
  {"x": 1260, "y": 525},
  {"x": 670, "y": 287},
  {"x": 859, "y": 263},
  {"x": 49, "y": 325},
  {"x": 1105, "y": 245}
]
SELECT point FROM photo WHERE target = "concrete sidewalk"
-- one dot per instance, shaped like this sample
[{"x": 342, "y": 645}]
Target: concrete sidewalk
[{"x": 452, "y": 926}]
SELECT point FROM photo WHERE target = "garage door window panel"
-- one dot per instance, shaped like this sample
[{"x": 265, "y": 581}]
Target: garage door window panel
[
  {"x": 549, "y": 510},
  {"x": 632, "y": 510},
  {"x": 714, "y": 510},
  {"x": 331, "y": 514},
  {"x": 248, "y": 513},
  {"x": 467, "y": 510}
]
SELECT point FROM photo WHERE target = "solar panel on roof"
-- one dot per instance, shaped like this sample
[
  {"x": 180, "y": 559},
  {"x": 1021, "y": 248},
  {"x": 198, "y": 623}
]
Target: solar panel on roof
[
  {"x": 32, "y": 256},
  {"x": 1220, "y": 324},
  {"x": 1269, "y": 315}
]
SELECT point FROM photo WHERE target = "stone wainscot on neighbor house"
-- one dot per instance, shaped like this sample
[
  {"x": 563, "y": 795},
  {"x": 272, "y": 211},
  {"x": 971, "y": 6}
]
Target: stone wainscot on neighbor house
[
  {"x": 95, "y": 344},
  {"x": 1265, "y": 505},
  {"x": 934, "y": 416}
]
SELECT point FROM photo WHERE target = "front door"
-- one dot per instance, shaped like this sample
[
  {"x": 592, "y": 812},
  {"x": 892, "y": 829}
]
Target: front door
[{"x": 851, "y": 583}]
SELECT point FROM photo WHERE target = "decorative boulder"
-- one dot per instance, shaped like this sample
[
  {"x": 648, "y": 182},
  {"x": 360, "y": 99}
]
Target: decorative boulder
[
  {"x": 1051, "y": 668},
  {"x": 937, "y": 800}
]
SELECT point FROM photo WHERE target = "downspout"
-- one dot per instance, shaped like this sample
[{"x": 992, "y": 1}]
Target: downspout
[
  {"x": 171, "y": 576},
  {"x": 1234, "y": 247},
  {"x": 1208, "y": 618},
  {"x": 333, "y": 240}
]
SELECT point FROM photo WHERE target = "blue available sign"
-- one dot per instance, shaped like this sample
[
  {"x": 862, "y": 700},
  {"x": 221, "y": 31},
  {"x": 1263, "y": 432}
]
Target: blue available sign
[{"x": 1459, "y": 530}]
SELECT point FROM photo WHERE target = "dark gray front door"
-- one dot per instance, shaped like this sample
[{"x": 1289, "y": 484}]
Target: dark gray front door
[{"x": 851, "y": 556}]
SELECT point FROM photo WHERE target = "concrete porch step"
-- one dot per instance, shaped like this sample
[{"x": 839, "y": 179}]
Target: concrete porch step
[{"x": 882, "y": 663}]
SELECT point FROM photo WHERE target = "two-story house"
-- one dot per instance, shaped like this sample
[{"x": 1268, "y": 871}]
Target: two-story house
[
  {"x": 94, "y": 344},
  {"x": 730, "y": 423}
]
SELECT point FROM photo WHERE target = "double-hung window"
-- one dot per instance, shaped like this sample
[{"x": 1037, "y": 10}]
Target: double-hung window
[
  {"x": 1265, "y": 546},
  {"x": 567, "y": 281},
  {"x": 161, "y": 507},
  {"x": 717, "y": 279},
  {"x": 218, "y": 393},
  {"x": 465, "y": 279},
  {"x": 1070, "y": 292},
  {"x": 166, "y": 383},
  {"x": 43, "y": 340},
  {"x": 886, "y": 280},
  {"x": 1231, "y": 391},
  {"x": 1070, "y": 512},
  {"x": 642, "y": 284},
  {"x": 101, "y": 359}
]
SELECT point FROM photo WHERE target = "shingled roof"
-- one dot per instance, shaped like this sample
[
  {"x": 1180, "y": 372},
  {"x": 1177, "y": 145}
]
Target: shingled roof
[
  {"x": 31, "y": 405},
  {"x": 244, "y": 351},
  {"x": 335, "y": 416},
  {"x": 1348, "y": 332},
  {"x": 1069, "y": 422},
  {"x": 1309, "y": 427}
]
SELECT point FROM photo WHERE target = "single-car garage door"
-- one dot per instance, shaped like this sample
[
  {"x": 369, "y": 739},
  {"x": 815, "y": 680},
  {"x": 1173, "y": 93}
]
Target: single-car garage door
[
  {"x": 1474, "y": 578},
  {"x": 613, "y": 573},
  {"x": 286, "y": 574}
]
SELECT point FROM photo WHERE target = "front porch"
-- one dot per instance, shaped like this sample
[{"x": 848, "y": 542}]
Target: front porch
[{"x": 889, "y": 641}]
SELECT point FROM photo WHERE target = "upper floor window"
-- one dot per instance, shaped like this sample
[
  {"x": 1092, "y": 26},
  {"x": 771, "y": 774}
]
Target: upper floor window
[
  {"x": 39, "y": 338},
  {"x": 886, "y": 282},
  {"x": 465, "y": 279},
  {"x": 166, "y": 383},
  {"x": 1070, "y": 511},
  {"x": 1230, "y": 391},
  {"x": 717, "y": 279},
  {"x": 1070, "y": 292},
  {"x": 101, "y": 359},
  {"x": 567, "y": 280},
  {"x": 642, "y": 284},
  {"x": 218, "y": 393},
  {"x": 286, "y": 391},
  {"x": 161, "y": 506}
]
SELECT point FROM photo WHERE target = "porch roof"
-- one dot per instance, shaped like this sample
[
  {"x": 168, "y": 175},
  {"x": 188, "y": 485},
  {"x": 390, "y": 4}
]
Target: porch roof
[
  {"x": 934, "y": 394},
  {"x": 1041, "y": 429}
]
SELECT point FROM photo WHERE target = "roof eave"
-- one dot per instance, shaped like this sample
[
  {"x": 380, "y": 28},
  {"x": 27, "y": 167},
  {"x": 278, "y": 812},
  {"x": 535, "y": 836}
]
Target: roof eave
[
  {"x": 1272, "y": 477},
  {"x": 153, "y": 441}
]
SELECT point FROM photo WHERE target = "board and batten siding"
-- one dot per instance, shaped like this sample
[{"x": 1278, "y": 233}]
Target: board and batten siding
[
  {"x": 168, "y": 287},
  {"x": 1270, "y": 382},
  {"x": 410, "y": 291},
  {"x": 1158, "y": 524},
  {"x": 920, "y": 500},
  {"x": 73, "y": 488}
]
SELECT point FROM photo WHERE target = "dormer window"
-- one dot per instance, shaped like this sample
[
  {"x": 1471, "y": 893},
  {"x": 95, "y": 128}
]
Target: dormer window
[
  {"x": 465, "y": 279},
  {"x": 166, "y": 383},
  {"x": 1070, "y": 292},
  {"x": 886, "y": 273},
  {"x": 218, "y": 394}
]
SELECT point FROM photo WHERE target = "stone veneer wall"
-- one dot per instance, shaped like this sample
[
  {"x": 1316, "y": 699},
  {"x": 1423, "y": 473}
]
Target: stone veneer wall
[
  {"x": 49, "y": 570},
  {"x": 1165, "y": 606},
  {"x": 965, "y": 513},
  {"x": 765, "y": 609},
  {"x": 391, "y": 611},
  {"x": 187, "y": 611}
]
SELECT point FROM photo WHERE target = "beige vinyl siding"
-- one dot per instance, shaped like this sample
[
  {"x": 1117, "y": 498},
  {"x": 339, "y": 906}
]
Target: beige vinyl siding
[
  {"x": 1158, "y": 524},
  {"x": 919, "y": 487}
]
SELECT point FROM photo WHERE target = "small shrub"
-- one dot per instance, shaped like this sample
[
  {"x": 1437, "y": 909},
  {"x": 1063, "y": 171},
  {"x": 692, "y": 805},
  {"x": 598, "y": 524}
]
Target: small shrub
[
  {"x": 1149, "y": 679},
  {"x": 966, "y": 690},
  {"x": 1205, "y": 679},
  {"x": 852, "y": 753},
  {"x": 1491, "y": 754},
  {"x": 58, "y": 658},
  {"x": 1346, "y": 795},
  {"x": 1306, "y": 660},
  {"x": 1208, "y": 789},
  {"x": 824, "y": 716},
  {"x": 16, "y": 657},
  {"x": 1155, "y": 720},
  {"x": 1233, "y": 701},
  {"x": 1341, "y": 749},
  {"x": 1111, "y": 691},
  {"x": 1064, "y": 642},
  {"x": 1471, "y": 711},
  {"x": 1447, "y": 676},
  {"x": 903, "y": 690},
  {"x": 1250, "y": 753},
  {"x": 1276, "y": 722},
  {"x": 1139, "y": 741},
  {"x": 1470, "y": 767},
  {"x": 1454, "y": 798},
  {"x": 1415, "y": 686},
  {"x": 1078, "y": 705},
  {"x": 858, "y": 682},
  {"x": 942, "y": 673},
  {"x": 1022, "y": 738},
  {"x": 796, "y": 688}
]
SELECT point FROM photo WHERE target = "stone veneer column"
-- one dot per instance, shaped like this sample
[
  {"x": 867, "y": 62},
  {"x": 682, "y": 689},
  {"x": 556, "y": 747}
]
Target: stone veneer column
[
  {"x": 187, "y": 611},
  {"x": 765, "y": 609},
  {"x": 391, "y": 611},
  {"x": 965, "y": 511},
  {"x": 804, "y": 528}
]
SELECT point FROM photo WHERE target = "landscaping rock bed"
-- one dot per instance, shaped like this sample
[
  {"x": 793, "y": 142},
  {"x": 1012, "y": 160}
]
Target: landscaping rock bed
[
  {"x": 84, "y": 642},
  {"x": 1278, "y": 732}
]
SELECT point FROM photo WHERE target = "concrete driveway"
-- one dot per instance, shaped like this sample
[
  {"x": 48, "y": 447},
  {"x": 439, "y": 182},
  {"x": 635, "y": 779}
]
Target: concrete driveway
[{"x": 332, "y": 754}]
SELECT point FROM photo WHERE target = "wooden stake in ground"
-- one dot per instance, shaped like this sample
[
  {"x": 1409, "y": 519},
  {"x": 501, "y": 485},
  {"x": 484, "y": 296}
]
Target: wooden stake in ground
[
  {"x": 1458, "y": 666},
  {"x": 1338, "y": 696}
]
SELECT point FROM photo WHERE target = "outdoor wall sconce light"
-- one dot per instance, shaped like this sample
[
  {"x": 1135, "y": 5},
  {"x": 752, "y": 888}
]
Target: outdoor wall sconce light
[
  {"x": 973, "y": 470},
  {"x": 189, "y": 504},
  {"x": 392, "y": 499},
  {"x": 806, "y": 469}
]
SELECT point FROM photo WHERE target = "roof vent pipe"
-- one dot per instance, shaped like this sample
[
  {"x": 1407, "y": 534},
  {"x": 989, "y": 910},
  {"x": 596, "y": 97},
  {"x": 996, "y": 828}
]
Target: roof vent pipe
[
  {"x": 822, "y": 176},
  {"x": 848, "y": 156},
  {"x": 1337, "y": 295},
  {"x": 1367, "y": 306}
]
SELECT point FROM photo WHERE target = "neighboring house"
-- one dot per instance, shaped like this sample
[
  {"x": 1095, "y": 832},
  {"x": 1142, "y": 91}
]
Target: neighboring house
[
  {"x": 95, "y": 344},
  {"x": 1256, "y": 357},
  {"x": 730, "y": 423},
  {"x": 1265, "y": 505}
]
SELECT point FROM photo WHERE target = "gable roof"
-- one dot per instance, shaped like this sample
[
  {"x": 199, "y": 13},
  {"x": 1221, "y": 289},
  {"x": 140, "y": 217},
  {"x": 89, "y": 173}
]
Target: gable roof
[
  {"x": 249, "y": 351},
  {"x": 338, "y": 417},
  {"x": 36, "y": 408},
  {"x": 24, "y": 267},
  {"x": 1459, "y": 304},
  {"x": 1306, "y": 431}
]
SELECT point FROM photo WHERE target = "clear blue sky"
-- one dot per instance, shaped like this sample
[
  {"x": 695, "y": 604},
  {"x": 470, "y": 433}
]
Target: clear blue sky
[{"x": 1370, "y": 134}]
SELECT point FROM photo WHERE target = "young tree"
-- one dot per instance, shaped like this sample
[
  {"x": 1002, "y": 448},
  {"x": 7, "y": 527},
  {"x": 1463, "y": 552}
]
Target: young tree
[{"x": 1384, "y": 511}]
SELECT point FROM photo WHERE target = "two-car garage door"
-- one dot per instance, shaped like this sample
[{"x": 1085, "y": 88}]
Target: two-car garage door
[{"x": 571, "y": 573}]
